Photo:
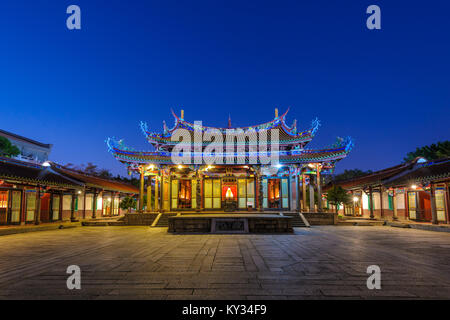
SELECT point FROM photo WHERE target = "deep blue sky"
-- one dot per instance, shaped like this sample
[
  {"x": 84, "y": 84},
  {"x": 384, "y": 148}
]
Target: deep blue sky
[{"x": 134, "y": 60}]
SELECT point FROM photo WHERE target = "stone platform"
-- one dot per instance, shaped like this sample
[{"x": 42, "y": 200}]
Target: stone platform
[{"x": 230, "y": 223}]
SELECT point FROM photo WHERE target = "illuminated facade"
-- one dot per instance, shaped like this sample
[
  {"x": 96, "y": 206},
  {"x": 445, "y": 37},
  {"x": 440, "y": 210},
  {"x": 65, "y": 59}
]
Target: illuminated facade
[
  {"x": 412, "y": 191},
  {"x": 244, "y": 183}
]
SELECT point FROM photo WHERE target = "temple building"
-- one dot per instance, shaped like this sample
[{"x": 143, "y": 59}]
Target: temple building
[
  {"x": 415, "y": 191},
  {"x": 33, "y": 193},
  {"x": 242, "y": 176}
]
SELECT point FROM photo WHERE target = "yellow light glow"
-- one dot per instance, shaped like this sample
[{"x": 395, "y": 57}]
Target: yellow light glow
[
  {"x": 355, "y": 199},
  {"x": 180, "y": 166},
  {"x": 414, "y": 187},
  {"x": 229, "y": 194}
]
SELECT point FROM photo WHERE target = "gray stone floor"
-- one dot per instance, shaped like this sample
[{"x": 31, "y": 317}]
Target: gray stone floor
[{"x": 143, "y": 263}]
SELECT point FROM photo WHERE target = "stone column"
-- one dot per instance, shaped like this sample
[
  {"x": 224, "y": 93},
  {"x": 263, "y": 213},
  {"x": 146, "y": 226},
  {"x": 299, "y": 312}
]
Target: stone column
[
  {"x": 141, "y": 190},
  {"x": 312, "y": 207},
  {"x": 37, "y": 214},
  {"x": 260, "y": 190},
  {"x": 299, "y": 202},
  {"x": 84, "y": 204},
  {"x": 61, "y": 207},
  {"x": 304, "y": 192},
  {"x": 72, "y": 208},
  {"x": 381, "y": 202},
  {"x": 447, "y": 198},
  {"x": 371, "y": 203},
  {"x": 157, "y": 193},
  {"x": 434, "y": 218},
  {"x": 162, "y": 190},
  {"x": 319, "y": 190},
  {"x": 149, "y": 194},
  {"x": 94, "y": 205},
  {"x": 113, "y": 195},
  {"x": 198, "y": 192}
]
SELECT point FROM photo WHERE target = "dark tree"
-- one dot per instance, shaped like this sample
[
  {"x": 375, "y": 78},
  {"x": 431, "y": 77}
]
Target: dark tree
[
  {"x": 7, "y": 149},
  {"x": 90, "y": 169},
  {"x": 350, "y": 174},
  {"x": 93, "y": 170},
  {"x": 337, "y": 195},
  {"x": 432, "y": 152},
  {"x": 128, "y": 203}
]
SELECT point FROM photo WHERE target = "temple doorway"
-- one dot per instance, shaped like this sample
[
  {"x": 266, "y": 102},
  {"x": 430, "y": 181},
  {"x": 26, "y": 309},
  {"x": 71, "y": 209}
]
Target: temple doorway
[
  {"x": 185, "y": 194},
  {"x": 273, "y": 193}
]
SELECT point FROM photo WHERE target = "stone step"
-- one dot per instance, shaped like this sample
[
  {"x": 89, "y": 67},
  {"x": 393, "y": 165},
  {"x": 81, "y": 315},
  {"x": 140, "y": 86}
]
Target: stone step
[
  {"x": 163, "y": 221},
  {"x": 361, "y": 223},
  {"x": 297, "y": 221},
  {"x": 103, "y": 223}
]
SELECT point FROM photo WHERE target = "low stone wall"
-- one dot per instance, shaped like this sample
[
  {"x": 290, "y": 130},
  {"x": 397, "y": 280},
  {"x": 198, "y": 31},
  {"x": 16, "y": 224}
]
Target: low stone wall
[
  {"x": 140, "y": 219},
  {"x": 320, "y": 219},
  {"x": 253, "y": 223},
  {"x": 267, "y": 225},
  {"x": 189, "y": 225}
]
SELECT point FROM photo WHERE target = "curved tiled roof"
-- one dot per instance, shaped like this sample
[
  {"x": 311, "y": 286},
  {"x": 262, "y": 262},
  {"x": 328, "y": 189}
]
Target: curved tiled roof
[
  {"x": 285, "y": 157},
  {"x": 15, "y": 170},
  {"x": 287, "y": 134},
  {"x": 56, "y": 176},
  {"x": 96, "y": 182},
  {"x": 416, "y": 171},
  {"x": 431, "y": 171}
]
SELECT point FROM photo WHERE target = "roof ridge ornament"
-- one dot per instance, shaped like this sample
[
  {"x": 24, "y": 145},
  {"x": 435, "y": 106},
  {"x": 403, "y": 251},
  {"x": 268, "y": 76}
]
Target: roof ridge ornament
[
  {"x": 315, "y": 124},
  {"x": 144, "y": 127}
]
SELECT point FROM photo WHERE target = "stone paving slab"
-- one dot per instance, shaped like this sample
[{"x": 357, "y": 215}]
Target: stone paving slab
[{"x": 323, "y": 262}]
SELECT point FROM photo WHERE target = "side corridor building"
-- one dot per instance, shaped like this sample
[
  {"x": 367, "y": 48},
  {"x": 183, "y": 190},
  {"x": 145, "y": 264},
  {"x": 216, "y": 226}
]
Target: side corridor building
[
  {"x": 32, "y": 193},
  {"x": 416, "y": 191}
]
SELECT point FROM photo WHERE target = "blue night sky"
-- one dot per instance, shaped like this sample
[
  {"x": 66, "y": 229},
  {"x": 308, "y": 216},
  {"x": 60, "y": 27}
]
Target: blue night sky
[{"x": 135, "y": 60}]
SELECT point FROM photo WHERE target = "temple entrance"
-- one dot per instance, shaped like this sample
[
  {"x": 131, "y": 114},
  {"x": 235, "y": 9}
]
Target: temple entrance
[
  {"x": 273, "y": 193},
  {"x": 229, "y": 194},
  {"x": 412, "y": 205},
  {"x": 212, "y": 193},
  {"x": 56, "y": 200},
  {"x": 246, "y": 193},
  {"x": 185, "y": 194},
  {"x": 276, "y": 193},
  {"x": 3, "y": 207}
]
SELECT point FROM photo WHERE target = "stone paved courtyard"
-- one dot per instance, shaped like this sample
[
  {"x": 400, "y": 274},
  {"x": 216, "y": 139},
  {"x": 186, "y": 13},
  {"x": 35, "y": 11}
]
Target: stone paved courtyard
[{"x": 144, "y": 263}]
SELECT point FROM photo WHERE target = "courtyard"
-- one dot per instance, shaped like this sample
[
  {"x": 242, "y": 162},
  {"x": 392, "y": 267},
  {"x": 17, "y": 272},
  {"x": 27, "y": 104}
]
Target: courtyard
[{"x": 324, "y": 262}]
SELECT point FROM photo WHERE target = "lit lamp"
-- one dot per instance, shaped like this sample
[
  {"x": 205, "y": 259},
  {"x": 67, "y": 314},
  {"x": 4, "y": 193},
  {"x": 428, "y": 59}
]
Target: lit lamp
[
  {"x": 230, "y": 204},
  {"x": 414, "y": 187},
  {"x": 229, "y": 194}
]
